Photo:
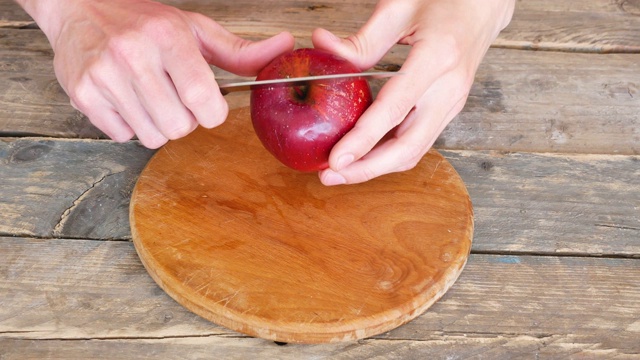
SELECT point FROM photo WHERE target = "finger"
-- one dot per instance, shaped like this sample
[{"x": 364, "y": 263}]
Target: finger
[
  {"x": 131, "y": 110},
  {"x": 139, "y": 120},
  {"x": 233, "y": 53},
  {"x": 372, "y": 41},
  {"x": 413, "y": 138},
  {"x": 394, "y": 101},
  {"x": 396, "y": 155},
  {"x": 129, "y": 107},
  {"x": 195, "y": 87},
  {"x": 399, "y": 153},
  {"x": 101, "y": 114},
  {"x": 109, "y": 84},
  {"x": 194, "y": 80},
  {"x": 113, "y": 125},
  {"x": 158, "y": 96}
]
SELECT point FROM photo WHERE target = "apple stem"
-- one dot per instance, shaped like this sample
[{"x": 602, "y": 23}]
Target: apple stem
[{"x": 301, "y": 91}]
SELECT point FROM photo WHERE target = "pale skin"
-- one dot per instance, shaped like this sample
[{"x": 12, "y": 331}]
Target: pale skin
[{"x": 136, "y": 67}]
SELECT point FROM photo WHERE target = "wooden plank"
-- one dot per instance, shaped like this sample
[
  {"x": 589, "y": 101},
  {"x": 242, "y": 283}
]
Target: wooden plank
[
  {"x": 545, "y": 203},
  {"x": 593, "y": 26},
  {"x": 576, "y": 26},
  {"x": 84, "y": 290},
  {"x": 31, "y": 100},
  {"x": 75, "y": 188},
  {"x": 520, "y": 101},
  {"x": 523, "y": 203},
  {"x": 202, "y": 347},
  {"x": 12, "y": 15},
  {"x": 529, "y": 203},
  {"x": 551, "y": 102},
  {"x": 590, "y": 26}
]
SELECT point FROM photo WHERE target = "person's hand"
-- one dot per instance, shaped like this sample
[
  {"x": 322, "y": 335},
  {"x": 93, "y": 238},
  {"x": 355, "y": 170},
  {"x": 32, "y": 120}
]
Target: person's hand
[
  {"x": 449, "y": 38},
  {"x": 140, "y": 67}
]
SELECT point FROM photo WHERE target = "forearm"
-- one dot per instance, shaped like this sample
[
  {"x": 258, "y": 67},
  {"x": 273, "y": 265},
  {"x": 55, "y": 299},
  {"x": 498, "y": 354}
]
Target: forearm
[{"x": 45, "y": 14}]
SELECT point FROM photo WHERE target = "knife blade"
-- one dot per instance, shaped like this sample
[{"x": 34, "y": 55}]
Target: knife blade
[{"x": 248, "y": 85}]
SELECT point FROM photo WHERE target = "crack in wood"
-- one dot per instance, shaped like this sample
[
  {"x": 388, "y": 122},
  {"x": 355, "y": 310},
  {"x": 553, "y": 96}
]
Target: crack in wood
[
  {"x": 558, "y": 254},
  {"x": 586, "y": 48},
  {"x": 18, "y": 24},
  {"x": 436, "y": 336},
  {"x": 116, "y": 338},
  {"x": 620, "y": 227},
  {"x": 57, "y": 229}
]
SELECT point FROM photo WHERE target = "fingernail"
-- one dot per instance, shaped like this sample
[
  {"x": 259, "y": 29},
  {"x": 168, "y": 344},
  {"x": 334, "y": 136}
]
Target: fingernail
[
  {"x": 333, "y": 178},
  {"x": 344, "y": 161}
]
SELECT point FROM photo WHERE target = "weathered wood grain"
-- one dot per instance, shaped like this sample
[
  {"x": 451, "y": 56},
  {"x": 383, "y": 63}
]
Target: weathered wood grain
[
  {"x": 554, "y": 271},
  {"x": 551, "y": 102},
  {"x": 566, "y": 204},
  {"x": 12, "y": 15},
  {"x": 268, "y": 248},
  {"x": 523, "y": 203},
  {"x": 76, "y": 188},
  {"x": 521, "y": 100},
  {"x": 575, "y": 26},
  {"x": 467, "y": 346},
  {"x": 85, "y": 291},
  {"x": 591, "y": 26}
]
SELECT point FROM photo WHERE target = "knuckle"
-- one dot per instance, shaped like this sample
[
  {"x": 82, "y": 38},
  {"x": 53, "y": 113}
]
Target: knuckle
[
  {"x": 159, "y": 25},
  {"x": 367, "y": 139},
  {"x": 129, "y": 44},
  {"x": 214, "y": 120},
  {"x": 370, "y": 140},
  {"x": 412, "y": 154},
  {"x": 80, "y": 94},
  {"x": 396, "y": 112},
  {"x": 152, "y": 142},
  {"x": 124, "y": 46},
  {"x": 408, "y": 165},
  {"x": 367, "y": 173},
  {"x": 196, "y": 93},
  {"x": 451, "y": 52},
  {"x": 360, "y": 43},
  {"x": 162, "y": 29},
  {"x": 121, "y": 136},
  {"x": 100, "y": 75},
  {"x": 180, "y": 130},
  {"x": 115, "y": 131}
]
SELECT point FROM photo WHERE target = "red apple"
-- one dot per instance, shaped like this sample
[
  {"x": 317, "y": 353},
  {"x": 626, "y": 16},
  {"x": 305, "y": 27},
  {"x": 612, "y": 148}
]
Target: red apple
[{"x": 300, "y": 123}]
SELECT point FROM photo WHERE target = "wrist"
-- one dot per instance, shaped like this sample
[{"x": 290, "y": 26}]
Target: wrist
[{"x": 46, "y": 13}]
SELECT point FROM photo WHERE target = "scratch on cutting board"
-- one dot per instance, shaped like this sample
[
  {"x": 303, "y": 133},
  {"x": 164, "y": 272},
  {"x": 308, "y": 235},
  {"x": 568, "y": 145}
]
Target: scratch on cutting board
[
  {"x": 204, "y": 286},
  {"x": 166, "y": 149},
  {"x": 228, "y": 299},
  {"x": 436, "y": 168},
  {"x": 187, "y": 281}
]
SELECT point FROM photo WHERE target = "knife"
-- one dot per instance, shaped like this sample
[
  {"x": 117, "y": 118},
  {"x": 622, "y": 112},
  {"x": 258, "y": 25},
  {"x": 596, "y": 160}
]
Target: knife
[{"x": 248, "y": 85}]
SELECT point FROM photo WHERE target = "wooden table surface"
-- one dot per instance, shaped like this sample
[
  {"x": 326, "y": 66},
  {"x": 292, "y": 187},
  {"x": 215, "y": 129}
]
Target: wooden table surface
[{"x": 548, "y": 146}]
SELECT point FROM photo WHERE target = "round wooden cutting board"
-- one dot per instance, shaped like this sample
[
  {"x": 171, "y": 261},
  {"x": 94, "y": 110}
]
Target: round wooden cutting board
[{"x": 243, "y": 241}]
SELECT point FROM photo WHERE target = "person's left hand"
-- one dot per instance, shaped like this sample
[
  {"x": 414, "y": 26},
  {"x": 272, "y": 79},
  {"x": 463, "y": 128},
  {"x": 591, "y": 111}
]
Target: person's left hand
[{"x": 449, "y": 38}]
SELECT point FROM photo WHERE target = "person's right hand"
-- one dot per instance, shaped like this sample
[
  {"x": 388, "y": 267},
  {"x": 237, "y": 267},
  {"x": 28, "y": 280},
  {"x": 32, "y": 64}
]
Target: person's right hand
[{"x": 141, "y": 67}]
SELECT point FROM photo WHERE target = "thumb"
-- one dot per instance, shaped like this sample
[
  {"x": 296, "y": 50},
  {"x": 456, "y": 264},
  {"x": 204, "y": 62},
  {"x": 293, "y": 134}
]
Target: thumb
[
  {"x": 230, "y": 52},
  {"x": 366, "y": 47}
]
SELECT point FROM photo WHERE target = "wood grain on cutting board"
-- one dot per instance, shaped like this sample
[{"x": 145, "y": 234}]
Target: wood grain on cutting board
[{"x": 247, "y": 243}]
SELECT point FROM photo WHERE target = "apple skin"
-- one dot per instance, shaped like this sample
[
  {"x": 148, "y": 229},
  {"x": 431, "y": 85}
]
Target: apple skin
[{"x": 299, "y": 124}]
